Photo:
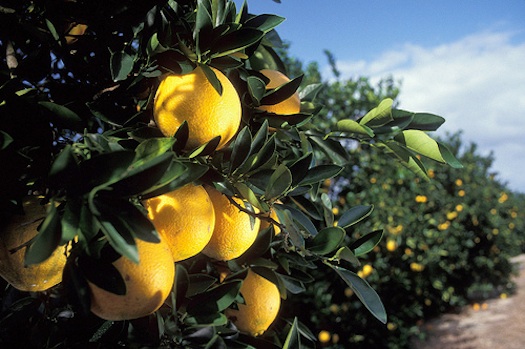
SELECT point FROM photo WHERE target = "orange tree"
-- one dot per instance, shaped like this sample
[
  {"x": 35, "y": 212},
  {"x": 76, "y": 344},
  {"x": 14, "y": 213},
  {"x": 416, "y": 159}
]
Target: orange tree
[
  {"x": 97, "y": 107},
  {"x": 448, "y": 243}
]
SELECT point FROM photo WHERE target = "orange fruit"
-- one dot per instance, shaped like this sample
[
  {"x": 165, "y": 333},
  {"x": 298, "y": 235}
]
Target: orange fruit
[
  {"x": 18, "y": 231},
  {"x": 184, "y": 219},
  {"x": 192, "y": 98},
  {"x": 262, "y": 301},
  {"x": 291, "y": 105},
  {"x": 234, "y": 230},
  {"x": 73, "y": 31},
  {"x": 148, "y": 284}
]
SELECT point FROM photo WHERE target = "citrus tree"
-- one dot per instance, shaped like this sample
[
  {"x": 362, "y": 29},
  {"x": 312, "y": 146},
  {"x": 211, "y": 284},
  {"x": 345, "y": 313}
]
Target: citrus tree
[{"x": 162, "y": 177}]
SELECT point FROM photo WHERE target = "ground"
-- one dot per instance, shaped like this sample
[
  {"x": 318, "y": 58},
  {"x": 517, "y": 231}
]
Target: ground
[{"x": 500, "y": 326}]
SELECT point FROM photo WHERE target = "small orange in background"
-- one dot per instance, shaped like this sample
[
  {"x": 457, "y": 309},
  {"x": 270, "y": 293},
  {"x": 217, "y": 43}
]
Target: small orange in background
[
  {"x": 148, "y": 284},
  {"x": 262, "y": 302},
  {"x": 291, "y": 105}
]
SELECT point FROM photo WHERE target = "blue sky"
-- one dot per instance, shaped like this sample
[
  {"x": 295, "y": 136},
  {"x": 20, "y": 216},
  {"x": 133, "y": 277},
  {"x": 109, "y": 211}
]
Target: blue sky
[{"x": 464, "y": 60}]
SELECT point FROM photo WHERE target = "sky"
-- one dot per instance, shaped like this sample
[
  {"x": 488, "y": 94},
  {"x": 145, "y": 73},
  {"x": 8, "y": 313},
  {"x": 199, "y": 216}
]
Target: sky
[{"x": 463, "y": 60}]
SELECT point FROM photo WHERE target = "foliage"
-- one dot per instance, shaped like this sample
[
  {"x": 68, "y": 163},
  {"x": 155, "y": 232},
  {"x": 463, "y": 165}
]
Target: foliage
[
  {"x": 448, "y": 243},
  {"x": 76, "y": 128}
]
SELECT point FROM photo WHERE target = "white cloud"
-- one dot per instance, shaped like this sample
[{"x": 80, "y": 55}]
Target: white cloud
[{"x": 476, "y": 83}]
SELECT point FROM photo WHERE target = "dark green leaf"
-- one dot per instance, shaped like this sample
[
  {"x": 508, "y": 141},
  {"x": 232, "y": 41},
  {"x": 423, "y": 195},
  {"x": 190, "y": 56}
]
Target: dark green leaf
[
  {"x": 302, "y": 219},
  {"x": 199, "y": 283},
  {"x": 64, "y": 170},
  {"x": 47, "y": 239},
  {"x": 151, "y": 148},
  {"x": 333, "y": 149},
  {"x": 215, "y": 299},
  {"x": 407, "y": 159},
  {"x": 181, "y": 137},
  {"x": 366, "y": 294},
  {"x": 241, "y": 149},
  {"x": 366, "y": 243},
  {"x": 279, "y": 183},
  {"x": 299, "y": 168},
  {"x": 205, "y": 149},
  {"x": 5, "y": 140},
  {"x": 327, "y": 240},
  {"x": 344, "y": 253},
  {"x": 104, "y": 168},
  {"x": 293, "y": 285},
  {"x": 265, "y": 154},
  {"x": 121, "y": 65},
  {"x": 354, "y": 215},
  {"x": 320, "y": 173},
  {"x": 63, "y": 116},
  {"x": 449, "y": 158},
  {"x": 256, "y": 88},
  {"x": 293, "y": 338},
  {"x": 424, "y": 121},
  {"x": 212, "y": 78},
  {"x": 121, "y": 240},
  {"x": 70, "y": 220},
  {"x": 178, "y": 175},
  {"x": 235, "y": 41},
  {"x": 109, "y": 280},
  {"x": 264, "y": 22},
  {"x": 282, "y": 92},
  {"x": 309, "y": 93},
  {"x": 139, "y": 178}
]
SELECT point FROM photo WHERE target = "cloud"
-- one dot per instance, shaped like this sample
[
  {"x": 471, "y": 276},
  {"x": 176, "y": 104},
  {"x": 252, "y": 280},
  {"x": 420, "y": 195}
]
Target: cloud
[{"x": 477, "y": 83}]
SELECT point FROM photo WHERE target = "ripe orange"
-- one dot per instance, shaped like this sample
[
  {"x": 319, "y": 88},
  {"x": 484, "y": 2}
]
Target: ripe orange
[
  {"x": 73, "y": 30},
  {"x": 234, "y": 230},
  {"x": 18, "y": 231},
  {"x": 192, "y": 98},
  {"x": 184, "y": 218},
  {"x": 291, "y": 105},
  {"x": 148, "y": 284},
  {"x": 262, "y": 302}
]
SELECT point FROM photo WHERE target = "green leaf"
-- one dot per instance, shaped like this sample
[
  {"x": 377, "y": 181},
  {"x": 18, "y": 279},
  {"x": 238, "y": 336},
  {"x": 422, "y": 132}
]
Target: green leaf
[
  {"x": 327, "y": 240},
  {"x": 212, "y": 78},
  {"x": 241, "y": 149},
  {"x": 424, "y": 121},
  {"x": 47, "y": 239},
  {"x": 282, "y": 92},
  {"x": 420, "y": 142},
  {"x": 279, "y": 183},
  {"x": 352, "y": 126},
  {"x": 151, "y": 148},
  {"x": 346, "y": 254},
  {"x": 299, "y": 168},
  {"x": 320, "y": 173},
  {"x": 354, "y": 215},
  {"x": 367, "y": 243},
  {"x": 177, "y": 175},
  {"x": 449, "y": 158},
  {"x": 302, "y": 219},
  {"x": 64, "y": 170},
  {"x": 142, "y": 177},
  {"x": 235, "y": 41},
  {"x": 199, "y": 283},
  {"x": 264, "y": 22},
  {"x": 121, "y": 64},
  {"x": 70, "y": 220},
  {"x": 249, "y": 195},
  {"x": 104, "y": 168},
  {"x": 380, "y": 115},
  {"x": 205, "y": 149},
  {"x": 366, "y": 294},
  {"x": 52, "y": 30},
  {"x": 5, "y": 140},
  {"x": 121, "y": 240},
  {"x": 293, "y": 338},
  {"x": 215, "y": 299},
  {"x": 408, "y": 159},
  {"x": 293, "y": 285},
  {"x": 256, "y": 88},
  {"x": 63, "y": 116},
  {"x": 265, "y": 154},
  {"x": 309, "y": 92}
]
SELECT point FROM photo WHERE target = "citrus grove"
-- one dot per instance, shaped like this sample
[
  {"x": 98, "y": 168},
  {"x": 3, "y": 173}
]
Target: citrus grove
[{"x": 163, "y": 178}]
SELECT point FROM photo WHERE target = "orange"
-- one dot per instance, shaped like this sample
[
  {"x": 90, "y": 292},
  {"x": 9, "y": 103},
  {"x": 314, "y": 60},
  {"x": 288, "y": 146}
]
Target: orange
[
  {"x": 184, "y": 218},
  {"x": 192, "y": 98},
  {"x": 291, "y": 105},
  {"x": 262, "y": 301},
  {"x": 18, "y": 231},
  {"x": 73, "y": 30},
  {"x": 148, "y": 284},
  {"x": 234, "y": 231}
]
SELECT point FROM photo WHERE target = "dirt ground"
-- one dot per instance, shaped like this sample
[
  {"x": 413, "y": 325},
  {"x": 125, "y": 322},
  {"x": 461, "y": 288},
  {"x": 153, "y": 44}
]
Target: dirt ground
[{"x": 500, "y": 326}]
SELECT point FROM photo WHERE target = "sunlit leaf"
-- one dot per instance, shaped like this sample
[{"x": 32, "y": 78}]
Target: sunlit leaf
[
  {"x": 354, "y": 215},
  {"x": 327, "y": 240}
]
